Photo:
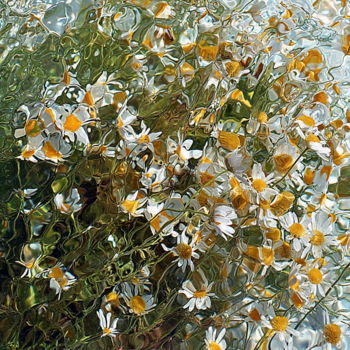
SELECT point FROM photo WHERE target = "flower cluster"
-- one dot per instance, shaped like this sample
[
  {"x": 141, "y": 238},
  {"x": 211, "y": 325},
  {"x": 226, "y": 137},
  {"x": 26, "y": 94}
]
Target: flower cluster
[{"x": 218, "y": 155}]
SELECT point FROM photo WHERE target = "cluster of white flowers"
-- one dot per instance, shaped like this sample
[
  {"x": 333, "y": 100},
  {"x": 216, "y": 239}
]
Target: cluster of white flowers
[{"x": 243, "y": 201}]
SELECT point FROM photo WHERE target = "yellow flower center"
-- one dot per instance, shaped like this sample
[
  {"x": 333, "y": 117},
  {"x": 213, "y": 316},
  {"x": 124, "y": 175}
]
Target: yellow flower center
[
  {"x": 206, "y": 177},
  {"x": 307, "y": 120},
  {"x": 144, "y": 139},
  {"x": 282, "y": 203},
  {"x": 232, "y": 68},
  {"x": 184, "y": 250},
  {"x": 297, "y": 230},
  {"x": 229, "y": 140},
  {"x": 273, "y": 233},
  {"x": 30, "y": 264},
  {"x": 56, "y": 273},
  {"x": 317, "y": 238},
  {"x": 315, "y": 276},
  {"x": 27, "y": 153},
  {"x": 343, "y": 239},
  {"x": 312, "y": 138},
  {"x": 106, "y": 331},
  {"x": 262, "y": 117},
  {"x": 200, "y": 294},
  {"x": 213, "y": 345},
  {"x": 88, "y": 99},
  {"x": 62, "y": 282},
  {"x": 50, "y": 151},
  {"x": 283, "y": 162},
  {"x": 240, "y": 198},
  {"x": 259, "y": 185},
  {"x": 137, "y": 304},
  {"x": 72, "y": 123},
  {"x": 208, "y": 53},
  {"x": 309, "y": 176},
  {"x": 332, "y": 333},
  {"x": 255, "y": 315},
  {"x": 297, "y": 300},
  {"x": 113, "y": 298},
  {"x": 279, "y": 323},
  {"x": 130, "y": 206}
]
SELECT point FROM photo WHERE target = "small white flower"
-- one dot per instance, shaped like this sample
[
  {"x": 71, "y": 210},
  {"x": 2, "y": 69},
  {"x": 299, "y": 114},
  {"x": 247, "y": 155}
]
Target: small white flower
[
  {"x": 297, "y": 229},
  {"x": 317, "y": 281},
  {"x": 60, "y": 279},
  {"x": 179, "y": 152},
  {"x": 71, "y": 122},
  {"x": 125, "y": 118},
  {"x": 321, "y": 234},
  {"x": 108, "y": 326},
  {"x": 69, "y": 204},
  {"x": 213, "y": 341},
  {"x": 138, "y": 304},
  {"x": 280, "y": 325},
  {"x": 142, "y": 138},
  {"x": 184, "y": 251},
  {"x": 199, "y": 298},
  {"x": 222, "y": 220},
  {"x": 315, "y": 143},
  {"x": 260, "y": 183},
  {"x": 153, "y": 177},
  {"x": 133, "y": 204},
  {"x": 284, "y": 158}
]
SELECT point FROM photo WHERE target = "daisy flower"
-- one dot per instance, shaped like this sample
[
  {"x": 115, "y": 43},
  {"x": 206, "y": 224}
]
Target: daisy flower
[
  {"x": 284, "y": 157},
  {"x": 297, "y": 228},
  {"x": 254, "y": 312},
  {"x": 321, "y": 234},
  {"x": 30, "y": 257},
  {"x": 56, "y": 90},
  {"x": 133, "y": 204},
  {"x": 158, "y": 218},
  {"x": 316, "y": 281},
  {"x": 98, "y": 95},
  {"x": 333, "y": 333},
  {"x": 72, "y": 121},
  {"x": 164, "y": 10},
  {"x": 238, "y": 161},
  {"x": 228, "y": 140},
  {"x": 213, "y": 341},
  {"x": 141, "y": 281},
  {"x": 144, "y": 138},
  {"x": 199, "y": 298},
  {"x": 108, "y": 326},
  {"x": 125, "y": 118},
  {"x": 138, "y": 304},
  {"x": 315, "y": 143},
  {"x": 260, "y": 182},
  {"x": 280, "y": 326},
  {"x": 54, "y": 148},
  {"x": 184, "y": 251},
  {"x": 179, "y": 152},
  {"x": 111, "y": 300},
  {"x": 28, "y": 153},
  {"x": 222, "y": 220},
  {"x": 60, "y": 279},
  {"x": 31, "y": 267},
  {"x": 153, "y": 177},
  {"x": 68, "y": 204}
]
